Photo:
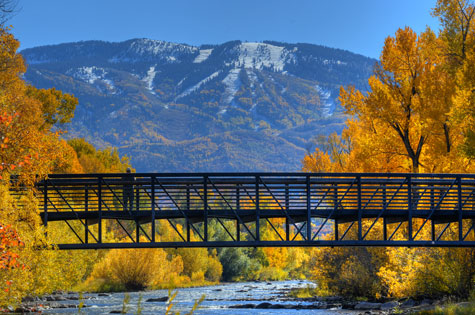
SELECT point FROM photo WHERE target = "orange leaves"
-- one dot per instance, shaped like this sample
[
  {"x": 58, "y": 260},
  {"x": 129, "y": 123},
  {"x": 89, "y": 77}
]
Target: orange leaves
[{"x": 9, "y": 242}]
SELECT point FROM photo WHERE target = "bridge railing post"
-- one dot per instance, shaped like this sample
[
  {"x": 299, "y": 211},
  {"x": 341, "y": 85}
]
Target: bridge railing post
[
  {"x": 205, "y": 201},
  {"x": 153, "y": 206},
  {"x": 335, "y": 209},
  {"x": 385, "y": 223},
  {"x": 410, "y": 206},
  {"x": 360, "y": 210},
  {"x": 460, "y": 214},
  {"x": 287, "y": 206},
  {"x": 238, "y": 207},
  {"x": 99, "y": 192},
  {"x": 86, "y": 209},
  {"x": 258, "y": 210},
  {"x": 432, "y": 205},
  {"x": 309, "y": 214},
  {"x": 45, "y": 202}
]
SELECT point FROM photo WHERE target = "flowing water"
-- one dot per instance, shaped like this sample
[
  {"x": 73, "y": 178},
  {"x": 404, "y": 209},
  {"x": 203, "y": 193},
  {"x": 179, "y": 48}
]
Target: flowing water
[{"x": 217, "y": 300}]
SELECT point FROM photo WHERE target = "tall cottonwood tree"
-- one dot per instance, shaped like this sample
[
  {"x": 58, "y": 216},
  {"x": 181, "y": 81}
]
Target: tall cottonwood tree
[
  {"x": 406, "y": 110},
  {"x": 418, "y": 113}
]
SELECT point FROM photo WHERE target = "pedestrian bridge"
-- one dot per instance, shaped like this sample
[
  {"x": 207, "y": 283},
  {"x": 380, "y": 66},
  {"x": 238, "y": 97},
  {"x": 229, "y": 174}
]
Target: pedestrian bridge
[{"x": 260, "y": 209}]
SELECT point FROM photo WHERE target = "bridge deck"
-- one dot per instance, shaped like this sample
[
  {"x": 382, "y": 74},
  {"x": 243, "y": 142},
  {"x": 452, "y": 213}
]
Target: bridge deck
[{"x": 262, "y": 209}]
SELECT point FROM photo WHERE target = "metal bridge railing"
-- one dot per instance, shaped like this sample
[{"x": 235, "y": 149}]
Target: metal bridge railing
[{"x": 298, "y": 209}]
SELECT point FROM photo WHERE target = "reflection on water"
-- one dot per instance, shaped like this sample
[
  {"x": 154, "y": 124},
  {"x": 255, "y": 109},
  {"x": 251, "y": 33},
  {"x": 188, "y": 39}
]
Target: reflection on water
[{"x": 218, "y": 299}]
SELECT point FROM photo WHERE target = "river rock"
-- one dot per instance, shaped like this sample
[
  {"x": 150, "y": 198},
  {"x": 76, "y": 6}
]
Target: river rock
[
  {"x": 243, "y": 306},
  {"x": 160, "y": 299},
  {"x": 276, "y": 306},
  {"x": 103, "y": 294},
  {"x": 332, "y": 305},
  {"x": 408, "y": 303},
  {"x": 264, "y": 305},
  {"x": 22, "y": 310},
  {"x": 74, "y": 298},
  {"x": 367, "y": 306},
  {"x": 53, "y": 298},
  {"x": 427, "y": 302},
  {"x": 389, "y": 305},
  {"x": 27, "y": 299},
  {"x": 218, "y": 290},
  {"x": 348, "y": 305}
]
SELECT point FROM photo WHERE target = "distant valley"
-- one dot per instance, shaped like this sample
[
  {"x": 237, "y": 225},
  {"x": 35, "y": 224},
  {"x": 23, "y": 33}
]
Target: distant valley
[{"x": 238, "y": 106}]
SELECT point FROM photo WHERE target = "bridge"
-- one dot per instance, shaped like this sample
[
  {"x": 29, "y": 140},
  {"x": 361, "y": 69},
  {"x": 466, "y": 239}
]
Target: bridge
[{"x": 260, "y": 209}]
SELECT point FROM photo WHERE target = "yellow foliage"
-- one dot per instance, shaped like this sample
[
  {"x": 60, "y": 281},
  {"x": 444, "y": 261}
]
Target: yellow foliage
[{"x": 134, "y": 269}]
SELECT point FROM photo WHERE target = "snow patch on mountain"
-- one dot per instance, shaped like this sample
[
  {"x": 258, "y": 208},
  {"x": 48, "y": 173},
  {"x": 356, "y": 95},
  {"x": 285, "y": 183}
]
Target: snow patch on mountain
[
  {"x": 204, "y": 54},
  {"x": 88, "y": 74},
  {"x": 326, "y": 100},
  {"x": 334, "y": 62},
  {"x": 94, "y": 76},
  {"x": 198, "y": 85},
  {"x": 156, "y": 47},
  {"x": 232, "y": 83},
  {"x": 148, "y": 79},
  {"x": 262, "y": 55},
  {"x": 110, "y": 86},
  {"x": 148, "y": 49}
]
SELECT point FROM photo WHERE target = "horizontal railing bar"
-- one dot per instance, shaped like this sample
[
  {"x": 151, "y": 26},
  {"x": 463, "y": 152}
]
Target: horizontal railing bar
[{"x": 296, "y": 243}]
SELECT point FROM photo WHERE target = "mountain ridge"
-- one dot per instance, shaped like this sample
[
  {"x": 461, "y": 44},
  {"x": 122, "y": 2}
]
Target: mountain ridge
[{"x": 144, "y": 95}]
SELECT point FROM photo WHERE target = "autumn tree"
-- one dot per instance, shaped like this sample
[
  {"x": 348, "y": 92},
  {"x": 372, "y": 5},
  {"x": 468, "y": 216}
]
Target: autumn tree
[
  {"x": 458, "y": 39},
  {"x": 416, "y": 116},
  {"x": 29, "y": 146},
  {"x": 404, "y": 116}
]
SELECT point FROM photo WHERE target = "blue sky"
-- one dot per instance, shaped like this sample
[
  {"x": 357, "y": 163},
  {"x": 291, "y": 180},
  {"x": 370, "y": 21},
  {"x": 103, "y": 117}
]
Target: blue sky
[{"x": 356, "y": 25}]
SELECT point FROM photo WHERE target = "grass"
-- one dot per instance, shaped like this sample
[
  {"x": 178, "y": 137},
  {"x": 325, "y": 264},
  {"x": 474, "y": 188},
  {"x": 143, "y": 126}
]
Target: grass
[
  {"x": 466, "y": 308},
  {"x": 302, "y": 293}
]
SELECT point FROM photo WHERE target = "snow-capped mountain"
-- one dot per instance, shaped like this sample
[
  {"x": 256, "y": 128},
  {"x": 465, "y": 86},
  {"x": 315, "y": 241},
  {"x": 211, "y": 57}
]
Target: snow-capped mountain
[{"x": 176, "y": 107}]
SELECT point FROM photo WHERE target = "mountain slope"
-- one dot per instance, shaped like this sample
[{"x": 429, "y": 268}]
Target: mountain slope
[{"x": 237, "y": 106}]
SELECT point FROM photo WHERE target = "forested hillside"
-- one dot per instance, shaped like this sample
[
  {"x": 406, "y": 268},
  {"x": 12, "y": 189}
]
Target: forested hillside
[{"x": 238, "y": 106}]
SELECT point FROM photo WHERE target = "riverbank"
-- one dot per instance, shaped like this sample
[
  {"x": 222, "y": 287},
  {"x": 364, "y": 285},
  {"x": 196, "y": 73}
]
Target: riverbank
[{"x": 423, "y": 306}]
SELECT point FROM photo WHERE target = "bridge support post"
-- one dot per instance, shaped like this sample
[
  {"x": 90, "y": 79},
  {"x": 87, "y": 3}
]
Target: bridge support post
[{"x": 238, "y": 231}]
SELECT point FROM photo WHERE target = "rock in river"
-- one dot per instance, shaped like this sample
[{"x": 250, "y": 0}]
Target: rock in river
[
  {"x": 367, "y": 306},
  {"x": 160, "y": 299}
]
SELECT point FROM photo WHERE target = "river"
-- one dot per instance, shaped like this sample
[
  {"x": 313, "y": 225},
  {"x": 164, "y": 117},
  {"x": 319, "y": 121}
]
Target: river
[{"x": 218, "y": 299}]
